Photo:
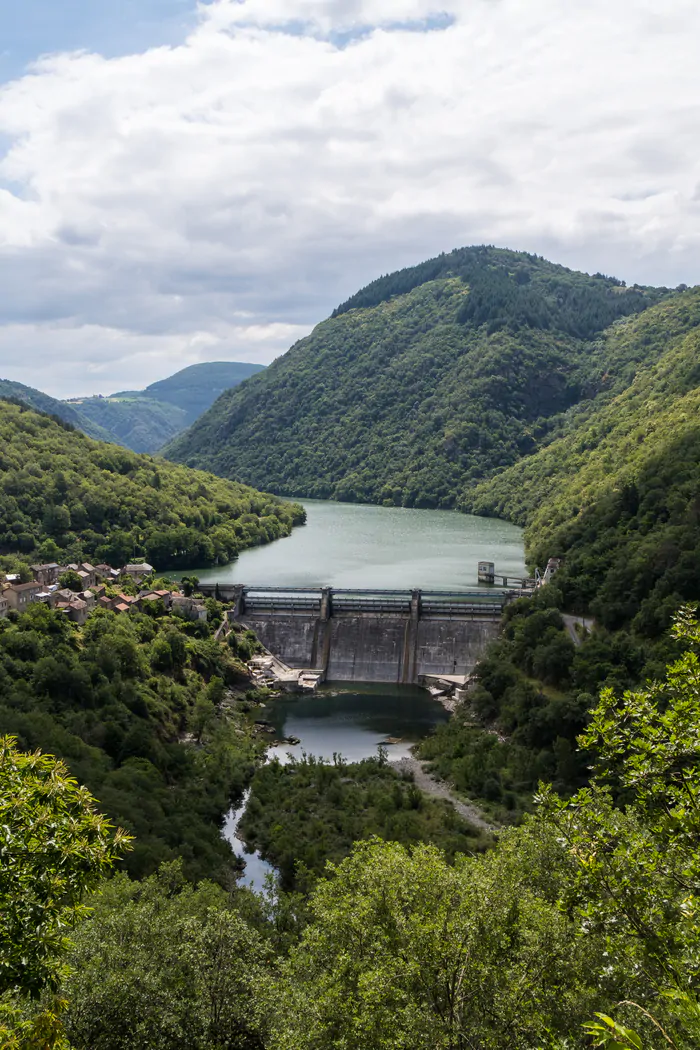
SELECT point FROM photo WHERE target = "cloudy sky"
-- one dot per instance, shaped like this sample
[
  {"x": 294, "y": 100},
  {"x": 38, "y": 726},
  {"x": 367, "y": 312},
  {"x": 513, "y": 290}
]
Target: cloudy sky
[{"x": 186, "y": 182}]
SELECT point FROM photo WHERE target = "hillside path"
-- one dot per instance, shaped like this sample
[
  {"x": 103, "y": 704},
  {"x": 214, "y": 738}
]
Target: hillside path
[{"x": 439, "y": 789}]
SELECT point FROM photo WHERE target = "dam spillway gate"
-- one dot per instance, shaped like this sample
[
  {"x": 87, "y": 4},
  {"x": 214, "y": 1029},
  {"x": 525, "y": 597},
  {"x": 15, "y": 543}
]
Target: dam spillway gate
[{"x": 370, "y": 635}]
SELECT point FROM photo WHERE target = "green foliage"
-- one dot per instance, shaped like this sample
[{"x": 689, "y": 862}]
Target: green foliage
[
  {"x": 405, "y": 950},
  {"x": 119, "y": 700},
  {"x": 70, "y": 581},
  {"x": 91, "y": 500},
  {"x": 161, "y": 965},
  {"x": 616, "y": 494},
  {"x": 54, "y": 847},
  {"x": 426, "y": 382},
  {"x": 307, "y": 812},
  {"x": 633, "y": 835}
]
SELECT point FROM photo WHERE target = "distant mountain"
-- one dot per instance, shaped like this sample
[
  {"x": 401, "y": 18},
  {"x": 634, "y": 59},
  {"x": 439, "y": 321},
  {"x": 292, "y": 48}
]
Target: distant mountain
[
  {"x": 44, "y": 403},
  {"x": 144, "y": 420},
  {"x": 195, "y": 388},
  {"x": 139, "y": 423},
  {"x": 423, "y": 383}
]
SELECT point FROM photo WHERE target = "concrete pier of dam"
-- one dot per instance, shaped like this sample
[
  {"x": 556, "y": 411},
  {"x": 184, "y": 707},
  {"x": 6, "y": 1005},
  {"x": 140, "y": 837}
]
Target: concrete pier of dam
[{"x": 370, "y": 636}]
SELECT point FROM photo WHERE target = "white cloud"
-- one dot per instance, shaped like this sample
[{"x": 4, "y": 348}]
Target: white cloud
[{"x": 240, "y": 185}]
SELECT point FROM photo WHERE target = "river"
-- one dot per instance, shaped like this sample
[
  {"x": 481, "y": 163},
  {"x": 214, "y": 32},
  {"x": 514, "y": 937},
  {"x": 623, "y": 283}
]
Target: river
[{"x": 354, "y": 545}]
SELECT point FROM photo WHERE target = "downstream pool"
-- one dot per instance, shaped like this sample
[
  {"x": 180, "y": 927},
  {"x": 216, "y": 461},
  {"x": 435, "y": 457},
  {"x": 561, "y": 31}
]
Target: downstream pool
[{"x": 351, "y": 720}]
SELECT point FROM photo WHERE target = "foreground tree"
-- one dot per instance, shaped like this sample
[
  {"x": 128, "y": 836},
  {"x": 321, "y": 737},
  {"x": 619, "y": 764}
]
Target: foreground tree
[
  {"x": 406, "y": 951},
  {"x": 635, "y": 838},
  {"x": 54, "y": 847},
  {"x": 581, "y": 927},
  {"x": 162, "y": 965}
]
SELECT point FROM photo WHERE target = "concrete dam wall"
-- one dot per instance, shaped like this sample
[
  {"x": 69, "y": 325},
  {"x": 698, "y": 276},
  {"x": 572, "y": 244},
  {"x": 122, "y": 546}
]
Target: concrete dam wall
[
  {"x": 375, "y": 648},
  {"x": 353, "y": 636}
]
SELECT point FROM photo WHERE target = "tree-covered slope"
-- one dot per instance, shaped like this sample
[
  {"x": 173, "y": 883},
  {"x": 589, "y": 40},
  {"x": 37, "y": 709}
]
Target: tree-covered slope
[
  {"x": 427, "y": 380},
  {"x": 139, "y": 423},
  {"x": 64, "y": 496},
  {"x": 45, "y": 403},
  {"x": 617, "y": 494},
  {"x": 144, "y": 420},
  {"x": 134, "y": 704}
]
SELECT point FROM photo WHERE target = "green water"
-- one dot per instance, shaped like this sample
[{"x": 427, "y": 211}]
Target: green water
[
  {"x": 352, "y": 720},
  {"x": 357, "y": 545}
]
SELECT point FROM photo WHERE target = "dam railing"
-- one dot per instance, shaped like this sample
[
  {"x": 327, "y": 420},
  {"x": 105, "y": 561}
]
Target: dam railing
[{"x": 325, "y": 601}]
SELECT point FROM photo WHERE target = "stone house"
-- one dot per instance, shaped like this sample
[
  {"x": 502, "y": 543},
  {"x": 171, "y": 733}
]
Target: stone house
[
  {"x": 190, "y": 608},
  {"x": 89, "y": 598},
  {"x": 4, "y": 606},
  {"x": 47, "y": 574},
  {"x": 91, "y": 571},
  {"x": 137, "y": 571},
  {"x": 75, "y": 610},
  {"x": 86, "y": 579},
  {"x": 78, "y": 610},
  {"x": 106, "y": 572},
  {"x": 20, "y": 595},
  {"x": 64, "y": 595}
]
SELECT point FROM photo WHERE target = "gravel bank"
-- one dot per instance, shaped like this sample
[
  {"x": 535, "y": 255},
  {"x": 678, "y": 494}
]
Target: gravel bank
[{"x": 439, "y": 789}]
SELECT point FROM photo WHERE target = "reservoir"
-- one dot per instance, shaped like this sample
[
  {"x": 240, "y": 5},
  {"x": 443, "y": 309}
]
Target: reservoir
[{"x": 359, "y": 546}]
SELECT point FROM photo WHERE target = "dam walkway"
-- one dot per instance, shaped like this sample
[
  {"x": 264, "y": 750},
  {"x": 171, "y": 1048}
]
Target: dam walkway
[{"x": 368, "y": 635}]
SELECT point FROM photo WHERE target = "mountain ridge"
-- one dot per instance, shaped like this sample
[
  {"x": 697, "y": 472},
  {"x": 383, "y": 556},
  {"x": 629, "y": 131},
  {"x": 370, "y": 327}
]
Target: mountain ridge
[{"x": 422, "y": 383}]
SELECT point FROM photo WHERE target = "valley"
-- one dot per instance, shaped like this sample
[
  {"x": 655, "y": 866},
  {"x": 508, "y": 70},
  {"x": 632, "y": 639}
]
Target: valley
[{"x": 483, "y": 406}]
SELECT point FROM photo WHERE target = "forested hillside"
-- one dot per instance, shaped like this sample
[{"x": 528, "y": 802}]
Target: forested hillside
[
  {"x": 65, "y": 497},
  {"x": 617, "y": 494},
  {"x": 139, "y": 423},
  {"x": 144, "y": 420},
  {"x": 44, "y": 403},
  {"x": 133, "y": 704},
  {"x": 425, "y": 382}
]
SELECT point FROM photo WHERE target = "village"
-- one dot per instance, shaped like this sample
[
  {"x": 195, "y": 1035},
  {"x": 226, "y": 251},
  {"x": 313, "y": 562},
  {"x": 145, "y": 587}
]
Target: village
[{"x": 93, "y": 587}]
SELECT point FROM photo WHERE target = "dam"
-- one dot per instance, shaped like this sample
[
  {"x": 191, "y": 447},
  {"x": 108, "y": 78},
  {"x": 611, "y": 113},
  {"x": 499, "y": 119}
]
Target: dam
[{"x": 391, "y": 636}]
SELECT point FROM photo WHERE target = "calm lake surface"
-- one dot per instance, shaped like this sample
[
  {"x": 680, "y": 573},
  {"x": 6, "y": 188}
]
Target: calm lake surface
[{"x": 354, "y": 545}]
